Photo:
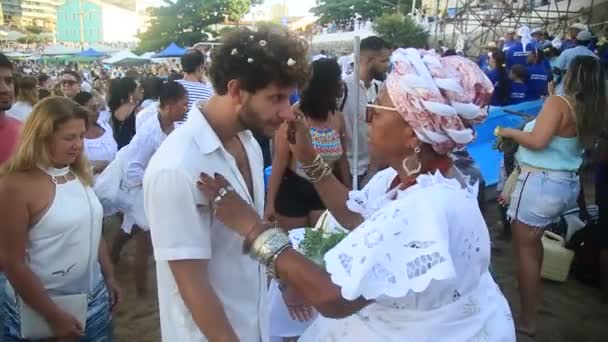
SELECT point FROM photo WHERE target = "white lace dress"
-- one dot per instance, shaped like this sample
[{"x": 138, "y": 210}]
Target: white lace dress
[{"x": 422, "y": 255}]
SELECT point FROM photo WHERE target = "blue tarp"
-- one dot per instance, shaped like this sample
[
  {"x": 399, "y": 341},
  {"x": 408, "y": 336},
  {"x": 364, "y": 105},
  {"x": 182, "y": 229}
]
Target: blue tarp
[
  {"x": 482, "y": 151},
  {"x": 170, "y": 51},
  {"x": 91, "y": 53}
]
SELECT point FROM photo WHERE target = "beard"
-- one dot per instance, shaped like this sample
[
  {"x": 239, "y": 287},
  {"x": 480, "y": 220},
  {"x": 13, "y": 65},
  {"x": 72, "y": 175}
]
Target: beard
[
  {"x": 251, "y": 119},
  {"x": 378, "y": 75},
  {"x": 4, "y": 106}
]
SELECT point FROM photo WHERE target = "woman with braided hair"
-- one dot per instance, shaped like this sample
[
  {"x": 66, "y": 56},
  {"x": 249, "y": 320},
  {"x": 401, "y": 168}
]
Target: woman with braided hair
[{"x": 415, "y": 264}]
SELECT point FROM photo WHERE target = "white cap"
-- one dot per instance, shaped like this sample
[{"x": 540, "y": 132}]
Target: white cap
[
  {"x": 578, "y": 26},
  {"x": 584, "y": 36},
  {"x": 536, "y": 30},
  {"x": 511, "y": 30}
]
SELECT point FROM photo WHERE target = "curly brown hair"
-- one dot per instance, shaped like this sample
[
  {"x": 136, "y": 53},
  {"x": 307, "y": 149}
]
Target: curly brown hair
[{"x": 258, "y": 58}]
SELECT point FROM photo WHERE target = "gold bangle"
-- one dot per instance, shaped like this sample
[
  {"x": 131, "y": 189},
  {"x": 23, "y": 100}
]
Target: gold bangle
[{"x": 267, "y": 244}]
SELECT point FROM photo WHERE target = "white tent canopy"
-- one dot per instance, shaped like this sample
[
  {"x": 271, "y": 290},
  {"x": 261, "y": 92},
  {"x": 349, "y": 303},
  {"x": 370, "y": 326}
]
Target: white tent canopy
[
  {"x": 123, "y": 56},
  {"x": 17, "y": 54},
  {"x": 57, "y": 49}
]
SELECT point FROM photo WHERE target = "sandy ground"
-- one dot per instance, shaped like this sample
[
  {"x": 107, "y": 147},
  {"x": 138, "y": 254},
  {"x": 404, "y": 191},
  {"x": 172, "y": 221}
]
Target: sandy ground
[{"x": 569, "y": 312}]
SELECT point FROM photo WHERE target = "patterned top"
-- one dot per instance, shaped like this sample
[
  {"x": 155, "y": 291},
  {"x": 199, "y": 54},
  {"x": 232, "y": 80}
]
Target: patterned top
[{"x": 327, "y": 143}]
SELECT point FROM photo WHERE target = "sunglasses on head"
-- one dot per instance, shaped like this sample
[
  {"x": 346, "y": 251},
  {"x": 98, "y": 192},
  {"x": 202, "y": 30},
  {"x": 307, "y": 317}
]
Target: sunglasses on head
[{"x": 371, "y": 107}]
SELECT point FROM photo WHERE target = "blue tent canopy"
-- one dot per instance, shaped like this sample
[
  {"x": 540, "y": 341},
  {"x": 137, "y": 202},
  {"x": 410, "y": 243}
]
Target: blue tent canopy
[
  {"x": 91, "y": 53},
  {"x": 170, "y": 51}
]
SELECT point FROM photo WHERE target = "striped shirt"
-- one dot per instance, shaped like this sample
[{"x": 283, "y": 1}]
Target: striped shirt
[{"x": 196, "y": 91}]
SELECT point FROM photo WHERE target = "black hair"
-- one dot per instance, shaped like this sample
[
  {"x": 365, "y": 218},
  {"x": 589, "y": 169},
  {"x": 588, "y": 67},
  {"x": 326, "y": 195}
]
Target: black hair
[
  {"x": 374, "y": 43},
  {"x": 73, "y": 73},
  {"x": 520, "y": 72},
  {"x": 171, "y": 92},
  {"x": 192, "y": 60},
  {"x": 6, "y": 63},
  {"x": 119, "y": 90},
  {"x": 43, "y": 93},
  {"x": 450, "y": 52},
  {"x": 256, "y": 59},
  {"x": 504, "y": 84},
  {"x": 174, "y": 76},
  {"x": 323, "y": 52},
  {"x": 152, "y": 87},
  {"x": 319, "y": 98},
  {"x": 43, "y": 78},
  {"x": 83, "y": 97}
]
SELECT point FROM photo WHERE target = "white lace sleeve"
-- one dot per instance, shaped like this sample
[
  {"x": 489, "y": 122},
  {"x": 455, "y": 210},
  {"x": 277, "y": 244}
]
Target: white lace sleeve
[
  {"x": 401, "y": 248},
  {"x": 368, "y": 200}
]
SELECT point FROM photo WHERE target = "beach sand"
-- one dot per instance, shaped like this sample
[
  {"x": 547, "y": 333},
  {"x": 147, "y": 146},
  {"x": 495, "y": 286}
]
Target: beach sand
[{"x": 569, "y": 312}]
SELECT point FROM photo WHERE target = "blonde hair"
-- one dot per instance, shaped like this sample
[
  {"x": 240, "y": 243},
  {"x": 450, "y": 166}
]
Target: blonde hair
[{"x": 32, "y": 149}]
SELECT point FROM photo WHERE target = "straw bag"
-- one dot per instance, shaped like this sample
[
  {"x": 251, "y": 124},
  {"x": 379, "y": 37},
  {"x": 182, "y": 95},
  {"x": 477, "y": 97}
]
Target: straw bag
[{"x": 557, "y": 259}]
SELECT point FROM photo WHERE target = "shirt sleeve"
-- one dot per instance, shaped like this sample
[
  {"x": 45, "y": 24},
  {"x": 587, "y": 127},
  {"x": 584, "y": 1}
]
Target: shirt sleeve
[
  {"x": 401, "y": 248},
  {"x": 180, "y": 230},
  {"x": 560, "y": 63},
  {"x": 143, "y": 148}
]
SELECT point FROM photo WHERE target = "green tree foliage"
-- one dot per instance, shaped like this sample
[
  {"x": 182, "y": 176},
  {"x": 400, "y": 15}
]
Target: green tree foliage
[
  {"x": 342, "y": 12},
  {"x": 187, "y": 22},
  {"x": 400, "y": 30}
]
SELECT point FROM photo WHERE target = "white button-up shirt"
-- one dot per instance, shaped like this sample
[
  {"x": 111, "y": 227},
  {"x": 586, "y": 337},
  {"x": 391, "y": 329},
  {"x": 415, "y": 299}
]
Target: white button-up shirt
[{"x": 181, "y": 230}]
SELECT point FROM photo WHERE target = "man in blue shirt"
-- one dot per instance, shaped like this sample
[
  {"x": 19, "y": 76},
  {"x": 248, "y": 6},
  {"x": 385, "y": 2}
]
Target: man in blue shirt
[
  {"x": 509, "y": 40},
  {"x": 573, "y": 31},
  {"x": 539, "y": 41},
  {"x": 563, "y": 61}
]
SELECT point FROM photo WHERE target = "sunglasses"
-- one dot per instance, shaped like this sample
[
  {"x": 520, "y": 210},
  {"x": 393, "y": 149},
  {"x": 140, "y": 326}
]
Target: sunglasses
[
  {"x": 68, "y": 82},
  {"x": 370, "y": 108}
]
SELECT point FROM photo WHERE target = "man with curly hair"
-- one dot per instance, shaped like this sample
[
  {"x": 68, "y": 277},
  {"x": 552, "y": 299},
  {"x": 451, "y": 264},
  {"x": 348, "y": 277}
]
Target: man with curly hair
[{"x": 208, "y": 289}]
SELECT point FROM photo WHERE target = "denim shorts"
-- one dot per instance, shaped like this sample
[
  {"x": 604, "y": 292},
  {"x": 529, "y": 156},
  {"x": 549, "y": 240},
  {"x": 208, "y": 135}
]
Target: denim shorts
[{"x": 541, "y": 197}]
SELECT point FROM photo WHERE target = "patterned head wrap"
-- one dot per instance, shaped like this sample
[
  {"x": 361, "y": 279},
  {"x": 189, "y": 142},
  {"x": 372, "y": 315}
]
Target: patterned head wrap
[{"x": 439, "y": 97}]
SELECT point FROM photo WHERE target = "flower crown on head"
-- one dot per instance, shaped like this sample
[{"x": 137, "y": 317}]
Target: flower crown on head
[{"x": 262, "y": 43}]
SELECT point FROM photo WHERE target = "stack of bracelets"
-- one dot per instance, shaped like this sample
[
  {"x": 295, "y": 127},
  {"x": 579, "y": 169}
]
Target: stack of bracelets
[
  {"x": 270, "y": 243},
  {"x": 316, "y": 170}
]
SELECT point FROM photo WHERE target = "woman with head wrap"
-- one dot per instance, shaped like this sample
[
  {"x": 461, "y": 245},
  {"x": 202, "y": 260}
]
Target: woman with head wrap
[{"x": 415, "y": 265}]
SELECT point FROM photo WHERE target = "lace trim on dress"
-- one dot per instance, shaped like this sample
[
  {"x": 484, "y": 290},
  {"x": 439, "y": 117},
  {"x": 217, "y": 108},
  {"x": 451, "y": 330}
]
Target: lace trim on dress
[{"x": 402, "y": 246}]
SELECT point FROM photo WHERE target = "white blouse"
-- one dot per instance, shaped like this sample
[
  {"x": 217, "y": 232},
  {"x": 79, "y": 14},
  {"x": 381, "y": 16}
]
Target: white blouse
[
  {"x": 422, "y": 254},
  {"x": 141, "y": 149},
  {"x": 103, "y": 148}
]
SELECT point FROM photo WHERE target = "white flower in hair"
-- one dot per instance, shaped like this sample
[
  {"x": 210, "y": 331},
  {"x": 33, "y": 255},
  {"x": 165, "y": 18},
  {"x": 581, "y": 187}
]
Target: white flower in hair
[
  {"x": 291, "y": 62},
  {"x": 234, "y": 52},
  {"x": 262, "y": 43},
  {"x": 249, "y": 60}
]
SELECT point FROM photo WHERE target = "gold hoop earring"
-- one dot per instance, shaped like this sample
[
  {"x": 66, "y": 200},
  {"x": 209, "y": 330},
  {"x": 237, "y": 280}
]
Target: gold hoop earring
[{"x": 412, "y": 165}]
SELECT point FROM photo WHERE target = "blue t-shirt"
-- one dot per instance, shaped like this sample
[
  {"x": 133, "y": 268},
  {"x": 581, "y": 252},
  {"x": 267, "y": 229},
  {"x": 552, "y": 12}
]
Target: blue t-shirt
[
  {"x": 518, "y": 93},
  {"x": 517, "y": 55},
  {"x": 508, "y": 45},
  {"x": 484, "y": 62},
  {"x": 568, "y": 44},
  {"x": 493, "y": 76},
  {"x": 538, "y": 81}
]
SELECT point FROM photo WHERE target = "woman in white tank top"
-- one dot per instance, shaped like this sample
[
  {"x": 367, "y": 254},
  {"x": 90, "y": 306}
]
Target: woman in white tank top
[{"x": 51, "y": 242}]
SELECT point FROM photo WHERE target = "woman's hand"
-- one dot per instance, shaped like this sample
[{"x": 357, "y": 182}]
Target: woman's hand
[
  {"x": 115, "y": 293},
  {"x": 270, "y": 214},
  {"x": 300, "y": 141},
  {"x": 230, "y": 208},
  {"x": 504, "y": 132},
  {"x": 298, "y": 309},
  {"x": 65, "y": 326}
]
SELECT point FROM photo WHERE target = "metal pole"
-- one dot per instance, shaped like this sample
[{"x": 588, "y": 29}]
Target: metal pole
[
  {"x": 413, "y": 6},
  {"x": 81, "y": 15},
  {"x": 357, "y": 116}
]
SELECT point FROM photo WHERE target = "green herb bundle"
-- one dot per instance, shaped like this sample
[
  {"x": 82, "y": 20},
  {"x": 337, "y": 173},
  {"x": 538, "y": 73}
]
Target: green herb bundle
[{"x": 317, "y": 242}]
